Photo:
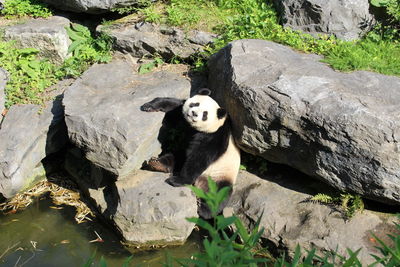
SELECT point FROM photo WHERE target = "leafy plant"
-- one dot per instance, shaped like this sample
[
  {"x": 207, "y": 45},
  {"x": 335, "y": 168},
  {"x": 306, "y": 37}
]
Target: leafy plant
[
  {"x": 140, "y": 4},
  {"x": 29, "y": 76},
  {"x": 349, "y": 203},
  {"x": 148, "y": 67},
  {"x": 20, "y": 8},
  {"x": 391, "y": 256},
  {"x": 85, "y": 50},
  {"x": 379, "y": 3},
  {"x": 222, "y": 249}
]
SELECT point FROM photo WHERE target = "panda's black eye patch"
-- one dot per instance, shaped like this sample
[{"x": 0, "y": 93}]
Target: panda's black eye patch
[
  {"x": 205, "y": 113},
  {"x": 194, "y": 105}
]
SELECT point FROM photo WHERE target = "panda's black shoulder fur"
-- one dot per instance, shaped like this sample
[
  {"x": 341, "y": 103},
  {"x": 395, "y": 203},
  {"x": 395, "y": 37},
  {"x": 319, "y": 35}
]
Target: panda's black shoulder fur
[{"x": 210, "y": 145}]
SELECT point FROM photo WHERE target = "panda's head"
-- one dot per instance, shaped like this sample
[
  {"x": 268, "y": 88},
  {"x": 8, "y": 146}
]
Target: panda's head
[{"x": 203, "y": 113}]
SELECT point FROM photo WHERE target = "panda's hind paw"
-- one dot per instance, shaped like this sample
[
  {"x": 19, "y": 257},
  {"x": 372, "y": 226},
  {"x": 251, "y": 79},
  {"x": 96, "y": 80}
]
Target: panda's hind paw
[{"x": 174, "y": 181}]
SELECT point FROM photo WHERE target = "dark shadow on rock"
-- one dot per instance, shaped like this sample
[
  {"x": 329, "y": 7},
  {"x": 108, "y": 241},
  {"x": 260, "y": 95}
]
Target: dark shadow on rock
[
  {"x": 197, "y": 80},
  {"x": 54, "y": 166},
  {"x": 62, "y": 157},
  {"x": 57, "y": 135},
  {"x": 283, "y": 175},
  {"x": 89, "y": 176}
]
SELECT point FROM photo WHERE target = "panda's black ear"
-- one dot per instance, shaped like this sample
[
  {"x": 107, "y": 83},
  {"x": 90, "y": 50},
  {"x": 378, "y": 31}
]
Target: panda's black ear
[
  {"x": 204, "y": 91},
  {"x": 221, "y": 113}
]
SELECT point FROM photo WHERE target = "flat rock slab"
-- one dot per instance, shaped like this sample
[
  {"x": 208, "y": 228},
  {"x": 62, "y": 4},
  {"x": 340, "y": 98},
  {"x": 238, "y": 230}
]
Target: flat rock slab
[
  {"x": 289, "y": 108},
  {"x": 103, "y": 116},
  {"x": 142, "y": 207},
  {"x": 149, "y": 212},
  {"x": 146, "y": 39},
  {"x": 49, "y": 36},
  {"x": 28, "y": 136},
  {"x": 3, "y": 81},
  {"x": 90, "y": 6},
  {"x": 346, "y": 19},
  {"x": 289, "y": 219}
]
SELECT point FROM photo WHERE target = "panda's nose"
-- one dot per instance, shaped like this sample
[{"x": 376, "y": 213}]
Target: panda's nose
[{"x": 194, "y": 113}]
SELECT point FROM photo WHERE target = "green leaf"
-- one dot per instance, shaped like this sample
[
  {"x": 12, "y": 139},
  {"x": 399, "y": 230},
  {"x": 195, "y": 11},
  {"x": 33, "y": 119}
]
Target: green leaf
[
  {"x": 145, "y": 68},
  {"x": 223, "y": 222},
  {"x": 198, "y": 192},
  {"x": 222, "y": 194},
  {"x": 352, "y": 261},
  {"x": 74, "y": 45},
  {"x": 242, "y": 230},
  {"x": 310, "y": 257},
  {"x": 127, "y": 261},
  {"x": 28, "y": 51},
  {"x": 73, "y": 35},
  {"x": 380, "y": 3},
  {"x": 202, "y": 223},
  {"x": 79, "y": 28},
  {"x": 102, "y": 262},
  {"x": 212, "y": 185}
]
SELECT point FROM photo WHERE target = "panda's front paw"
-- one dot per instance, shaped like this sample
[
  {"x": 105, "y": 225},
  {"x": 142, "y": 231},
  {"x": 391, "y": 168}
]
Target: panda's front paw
[
  {"x": 148, "y": 107},
  {"x": 174, "y": 181}
]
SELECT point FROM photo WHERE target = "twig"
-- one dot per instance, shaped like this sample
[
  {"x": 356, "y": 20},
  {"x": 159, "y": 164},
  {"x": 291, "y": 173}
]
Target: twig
[
  {"x": 25, "y": 262},
  {"x": 16, "y": 264},
  {"x": 9, "y": 248}
]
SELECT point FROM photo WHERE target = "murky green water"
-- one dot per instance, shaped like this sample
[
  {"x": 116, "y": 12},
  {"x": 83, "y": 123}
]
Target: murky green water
[{"x": 43, "y": 236}]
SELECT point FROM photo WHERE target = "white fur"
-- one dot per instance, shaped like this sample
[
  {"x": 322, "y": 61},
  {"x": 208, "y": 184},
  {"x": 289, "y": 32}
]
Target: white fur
[
  {"x": 208, "y": 104},
  {"x": 227, "y": 166}
]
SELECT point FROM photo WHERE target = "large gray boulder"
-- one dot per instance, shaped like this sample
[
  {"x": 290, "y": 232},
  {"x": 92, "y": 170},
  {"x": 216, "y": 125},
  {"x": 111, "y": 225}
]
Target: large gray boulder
[
  {"x": 49, "y": 36},
  {"x": 103, "y": 116},
  {"x": 290, "y": 219},
  {"x": 90, "y": 6},
  {"x": 289, "y": 108},
  {"x": 346, "y": 19},
  {"x": 146, "y": 39},
  {"x": 143, "y": 208},
  {"x": 3, "y": 81},
  {"x": 27, "y": 136}
]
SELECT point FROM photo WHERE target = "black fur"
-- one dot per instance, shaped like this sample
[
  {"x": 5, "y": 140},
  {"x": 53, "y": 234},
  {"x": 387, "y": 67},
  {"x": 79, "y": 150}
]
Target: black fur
[
  {"x": 205, "y": 114},
  {"x": 221, "y": 113},
  {"x": 163, "y": 104},
  {"x": 204, "y": 149},
  {"x": 204, "y": 91}
]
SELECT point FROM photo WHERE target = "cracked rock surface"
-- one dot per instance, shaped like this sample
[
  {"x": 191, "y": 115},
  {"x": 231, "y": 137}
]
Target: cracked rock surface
[{"x": 289, "y": 108}]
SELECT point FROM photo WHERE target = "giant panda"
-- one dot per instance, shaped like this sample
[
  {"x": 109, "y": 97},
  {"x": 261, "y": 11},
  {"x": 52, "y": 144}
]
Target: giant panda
[{"x": 211, "y": 150}]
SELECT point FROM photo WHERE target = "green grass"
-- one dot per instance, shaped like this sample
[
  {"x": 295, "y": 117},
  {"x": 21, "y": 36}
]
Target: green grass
[
  {"x": 257, "y": 19},
  {"x": 30, "y": 76},
  {"x": 190, "y": 14},
  {"x": 20, "y": 8}
]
